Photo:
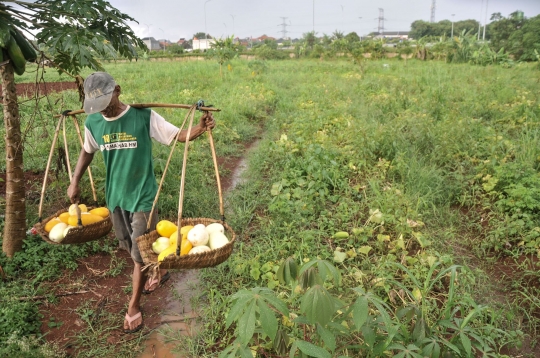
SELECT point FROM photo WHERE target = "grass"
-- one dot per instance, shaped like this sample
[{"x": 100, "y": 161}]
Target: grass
[{"x": 434, "y": 147}]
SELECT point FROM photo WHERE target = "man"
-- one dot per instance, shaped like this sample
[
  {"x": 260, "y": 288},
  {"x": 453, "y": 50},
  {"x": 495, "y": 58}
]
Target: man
[{"x": 124, "y": 135}]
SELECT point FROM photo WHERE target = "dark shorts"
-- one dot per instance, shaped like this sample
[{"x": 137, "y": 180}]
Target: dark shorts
[{"x": 128, "y": 227}]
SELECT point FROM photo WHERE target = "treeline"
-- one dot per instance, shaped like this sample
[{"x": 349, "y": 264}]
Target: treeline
[{"x": 514, "y": 35}]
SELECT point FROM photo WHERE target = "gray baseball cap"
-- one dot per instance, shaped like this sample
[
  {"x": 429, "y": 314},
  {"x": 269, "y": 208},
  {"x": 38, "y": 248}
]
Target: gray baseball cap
[{"x": 98, "y": 91}]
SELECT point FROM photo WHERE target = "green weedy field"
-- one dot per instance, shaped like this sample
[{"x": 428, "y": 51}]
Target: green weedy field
[{"x": 389, "y": 210}]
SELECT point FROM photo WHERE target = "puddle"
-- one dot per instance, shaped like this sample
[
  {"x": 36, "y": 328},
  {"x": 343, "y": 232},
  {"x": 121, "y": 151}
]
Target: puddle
[
  {"x": 242, "y": 166},
  {"x": 178, "y": 318}
]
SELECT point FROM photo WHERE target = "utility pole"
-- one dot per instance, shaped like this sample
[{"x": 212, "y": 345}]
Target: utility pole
[
  {"x": 313, "y": 17},
  {"x": 452, "y": 35},
  {"x": 433, "y": 7},
  {"x": 232, "y": 23},
  {"x": 284, "y": 27},
  {"x": 380, "y": 27},
  {"x": 480, "y": 22},
  {"x": 485, "y": 20}
]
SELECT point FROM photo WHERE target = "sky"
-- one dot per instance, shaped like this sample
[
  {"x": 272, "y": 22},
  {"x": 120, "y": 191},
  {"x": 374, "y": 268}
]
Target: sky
[{"x": 172, "y": 19}]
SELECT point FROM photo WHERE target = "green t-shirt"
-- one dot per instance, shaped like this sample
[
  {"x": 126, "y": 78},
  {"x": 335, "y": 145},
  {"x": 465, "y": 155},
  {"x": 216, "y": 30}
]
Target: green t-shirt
[{"x": 126, "y": 145}]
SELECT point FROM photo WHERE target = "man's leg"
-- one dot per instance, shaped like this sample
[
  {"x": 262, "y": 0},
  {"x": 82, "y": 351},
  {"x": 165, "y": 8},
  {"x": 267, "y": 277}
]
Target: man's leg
[
  {"x": 139, "y": 225},
  {"x": 135, "y": 303}
]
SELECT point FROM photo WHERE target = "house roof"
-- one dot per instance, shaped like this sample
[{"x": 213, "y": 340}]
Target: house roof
[{"x": 394, "y": 33}]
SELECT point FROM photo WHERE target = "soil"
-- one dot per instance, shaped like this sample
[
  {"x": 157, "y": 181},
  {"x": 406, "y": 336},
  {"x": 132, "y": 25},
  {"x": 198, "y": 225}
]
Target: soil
[
  {"x": 91, "y": 295},
  {"x": 29, "y": 89}
]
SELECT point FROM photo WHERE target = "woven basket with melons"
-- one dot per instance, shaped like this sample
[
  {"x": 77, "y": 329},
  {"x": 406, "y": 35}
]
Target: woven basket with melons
[
  {"x": 87, "y": 223},
  {"x": 74, "y": 226}
]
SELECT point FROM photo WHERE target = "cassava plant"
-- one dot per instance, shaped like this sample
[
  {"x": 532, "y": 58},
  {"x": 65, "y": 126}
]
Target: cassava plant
[{"x": 314, "y": 320}]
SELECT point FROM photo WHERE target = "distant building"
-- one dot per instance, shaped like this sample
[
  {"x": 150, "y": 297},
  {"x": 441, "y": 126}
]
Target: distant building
[
  {"x": 262, "y": 38},
  {"x": 203, "y": 44},
  {"x": 403, "y": 35},
  {"x": 151, "y": 43},
  {"x": 164, "y": 43}
]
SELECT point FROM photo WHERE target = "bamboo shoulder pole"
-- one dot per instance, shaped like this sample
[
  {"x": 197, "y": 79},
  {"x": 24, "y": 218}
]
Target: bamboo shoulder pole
[{"x": 153, "y": 105}]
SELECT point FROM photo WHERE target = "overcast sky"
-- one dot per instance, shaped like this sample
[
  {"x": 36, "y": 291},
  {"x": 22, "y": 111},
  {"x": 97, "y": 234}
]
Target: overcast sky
[{"x": 172, "y": 19}]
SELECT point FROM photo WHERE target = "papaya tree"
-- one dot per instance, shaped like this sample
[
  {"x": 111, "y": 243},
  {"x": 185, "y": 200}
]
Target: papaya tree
[
  {"x": 223, "y": 50},
  {"x": 76, "y": 33}
]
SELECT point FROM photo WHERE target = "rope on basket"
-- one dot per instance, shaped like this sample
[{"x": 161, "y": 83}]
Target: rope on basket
[
  {"x": 61, "y": 122},
  {"x": 154, "y": 268},
  {"x": 144, "y": 241}
]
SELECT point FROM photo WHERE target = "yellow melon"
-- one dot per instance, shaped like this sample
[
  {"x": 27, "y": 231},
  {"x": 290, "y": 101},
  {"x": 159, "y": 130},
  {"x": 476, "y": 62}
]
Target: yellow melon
[
  {"x": 101, "y": 211},
  {"x": 49, "y": 225},
  {"x": 87, "y": 219}
]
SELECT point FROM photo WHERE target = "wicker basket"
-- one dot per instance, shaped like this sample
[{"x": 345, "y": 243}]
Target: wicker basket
[
  {"x": 195, "y": 261},
  {"x": 77, "y": 235}
]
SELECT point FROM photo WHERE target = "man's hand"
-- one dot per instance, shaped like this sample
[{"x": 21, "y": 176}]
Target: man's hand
[
  {"x": 207, "y": 121},
  {"x": 74, "y": 192}
]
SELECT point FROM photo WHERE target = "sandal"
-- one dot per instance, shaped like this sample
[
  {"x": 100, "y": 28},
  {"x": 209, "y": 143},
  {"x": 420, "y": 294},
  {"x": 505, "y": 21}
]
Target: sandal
[
  {"x": 130, "y": 319},
  {"x": 164, "y": 279}
]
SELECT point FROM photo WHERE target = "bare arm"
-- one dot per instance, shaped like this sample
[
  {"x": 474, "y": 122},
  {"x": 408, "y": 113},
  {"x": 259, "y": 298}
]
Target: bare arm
[
  {"x": 73, "y": 191},
  {"x": 207, "y": 121}
]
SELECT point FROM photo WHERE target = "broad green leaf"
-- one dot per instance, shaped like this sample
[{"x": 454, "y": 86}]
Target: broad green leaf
[
  {"x": 324, "y": 269},
  {"x": 466, "y": 342},
  {"x": 422, "y": 240},
  {"x": 317, "y": 304},
  {"x": 269, "y": 296},
  {"x": 365, "y": 249},
  {"x": 327, "y": 336},
  {"x": 281, "y": 342},
  {"x": 239, "y": 306},
  {"x": 419, "y": 331},
  {"x": 369, "y": 335},
  {"x": 309, "y": 278},
  {"x": 268, "y": 319},
  {"x": 400, "y": 242},
  {"x": 339, "y": 256},
  {"x": 432, "y": 349},
  {"x": 360, "y": 312},
  {"x": 312, "y": 350},
  {"x": 288, "y": 271},
  {"x": 246, "y": 324},
  {"x": 276, "y": 189}
]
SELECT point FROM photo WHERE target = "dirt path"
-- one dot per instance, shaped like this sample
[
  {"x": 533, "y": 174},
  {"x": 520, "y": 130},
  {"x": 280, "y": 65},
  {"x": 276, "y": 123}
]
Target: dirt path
[{"x": 178, "y": 315}]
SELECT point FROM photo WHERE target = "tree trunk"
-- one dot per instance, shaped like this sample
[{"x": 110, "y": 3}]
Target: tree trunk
[{"x": 15, "y": 218}]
